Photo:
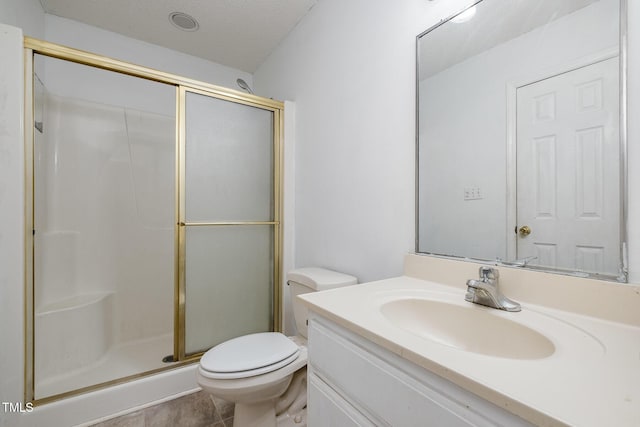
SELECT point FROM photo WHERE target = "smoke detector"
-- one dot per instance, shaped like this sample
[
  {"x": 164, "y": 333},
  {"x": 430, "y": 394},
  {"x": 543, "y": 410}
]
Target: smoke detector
[{"x": 183, "y": 21}]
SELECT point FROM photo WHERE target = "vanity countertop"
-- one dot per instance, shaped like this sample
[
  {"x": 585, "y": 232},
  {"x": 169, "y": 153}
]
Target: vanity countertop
[{"x": 591, "y": 379}]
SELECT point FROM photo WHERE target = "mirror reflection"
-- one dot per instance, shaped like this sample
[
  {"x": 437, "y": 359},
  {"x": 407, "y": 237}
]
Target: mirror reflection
[{"x": 519, "y": 141}]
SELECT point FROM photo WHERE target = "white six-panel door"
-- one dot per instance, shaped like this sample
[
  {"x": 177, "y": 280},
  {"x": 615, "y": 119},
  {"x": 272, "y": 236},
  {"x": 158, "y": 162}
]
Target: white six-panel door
[{"x": 568, "y": 169}]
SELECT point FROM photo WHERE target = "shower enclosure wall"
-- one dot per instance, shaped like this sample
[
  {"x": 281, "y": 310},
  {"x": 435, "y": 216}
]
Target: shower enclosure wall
[{"x": 155, "y": 221}]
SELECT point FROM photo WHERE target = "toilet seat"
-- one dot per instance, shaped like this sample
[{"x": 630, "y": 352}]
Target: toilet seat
[{"x": 248, "y": 356}]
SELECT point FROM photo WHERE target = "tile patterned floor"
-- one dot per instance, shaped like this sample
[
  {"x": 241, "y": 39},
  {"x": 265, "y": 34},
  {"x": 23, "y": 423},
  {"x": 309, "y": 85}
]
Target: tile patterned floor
[{"x": 194, "y": 410}]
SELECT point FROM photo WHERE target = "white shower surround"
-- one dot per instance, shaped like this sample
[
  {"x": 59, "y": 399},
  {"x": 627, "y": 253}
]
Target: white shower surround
[
  {"x": 104, "y": 214},
  {"x": 71, "y": 335}
]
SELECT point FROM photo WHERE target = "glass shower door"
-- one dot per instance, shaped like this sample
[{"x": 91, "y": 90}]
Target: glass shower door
[
  {"x": 104, "y": 155},
  {"x": 228, "y": 221}
]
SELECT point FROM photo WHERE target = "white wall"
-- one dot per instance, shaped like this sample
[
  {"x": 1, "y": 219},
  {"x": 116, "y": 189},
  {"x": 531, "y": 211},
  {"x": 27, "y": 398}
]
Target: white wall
[
  {"x": 464, "y": 122},
  {"x": 25, "y": 14},
  {"x": 12, "y": 219},
  {"x": 350, "y": 68}
]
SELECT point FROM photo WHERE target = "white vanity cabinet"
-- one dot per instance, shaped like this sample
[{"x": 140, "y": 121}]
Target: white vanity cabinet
[{"x": 354, "y": 382}]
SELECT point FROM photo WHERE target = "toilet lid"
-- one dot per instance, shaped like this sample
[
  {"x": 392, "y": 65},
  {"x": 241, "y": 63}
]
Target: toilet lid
[{"x": 250, "y": 355}]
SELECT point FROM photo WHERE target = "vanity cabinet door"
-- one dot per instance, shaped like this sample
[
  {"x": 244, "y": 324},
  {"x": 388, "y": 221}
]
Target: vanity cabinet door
[
  {"x": 387, "y": 389},
  {"x": 329, "y": 409}
]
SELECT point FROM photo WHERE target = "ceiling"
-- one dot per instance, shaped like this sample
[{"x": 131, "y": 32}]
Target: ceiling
[
  {"x": 236, "y": 33},
  {"x": 495, "y": 22}
]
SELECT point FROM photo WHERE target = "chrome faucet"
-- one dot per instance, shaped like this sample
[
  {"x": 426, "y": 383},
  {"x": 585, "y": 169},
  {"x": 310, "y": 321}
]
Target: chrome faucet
[{"x": 486, "y": 292}]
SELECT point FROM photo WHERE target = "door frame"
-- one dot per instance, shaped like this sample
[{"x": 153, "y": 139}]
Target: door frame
[{"x": 511, "y": 89}]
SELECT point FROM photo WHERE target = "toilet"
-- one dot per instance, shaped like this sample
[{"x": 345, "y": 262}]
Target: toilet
[{"x": 265, "y": 374}]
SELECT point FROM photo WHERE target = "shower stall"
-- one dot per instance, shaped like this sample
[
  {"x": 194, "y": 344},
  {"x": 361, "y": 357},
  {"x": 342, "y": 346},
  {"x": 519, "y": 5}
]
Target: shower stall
[{"x": 153, "y": 225}]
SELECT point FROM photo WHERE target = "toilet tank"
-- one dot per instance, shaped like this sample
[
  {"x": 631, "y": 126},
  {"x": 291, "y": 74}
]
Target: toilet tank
[{"x": 312, "y": 279}]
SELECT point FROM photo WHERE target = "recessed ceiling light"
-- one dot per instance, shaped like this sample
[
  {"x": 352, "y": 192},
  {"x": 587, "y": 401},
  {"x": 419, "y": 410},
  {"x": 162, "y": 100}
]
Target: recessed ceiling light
[{"x": 183, "y": 21}]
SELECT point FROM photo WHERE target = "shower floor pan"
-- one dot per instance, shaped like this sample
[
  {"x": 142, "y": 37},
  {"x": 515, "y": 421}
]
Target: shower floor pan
[{"x": 120, "y": 361}]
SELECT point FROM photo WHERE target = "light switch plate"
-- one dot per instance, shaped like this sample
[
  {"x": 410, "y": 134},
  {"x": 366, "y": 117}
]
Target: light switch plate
[{"x": 472, "y": 193}]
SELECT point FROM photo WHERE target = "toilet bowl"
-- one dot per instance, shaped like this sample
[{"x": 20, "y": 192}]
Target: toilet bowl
[{"x": 265, "y": 374}]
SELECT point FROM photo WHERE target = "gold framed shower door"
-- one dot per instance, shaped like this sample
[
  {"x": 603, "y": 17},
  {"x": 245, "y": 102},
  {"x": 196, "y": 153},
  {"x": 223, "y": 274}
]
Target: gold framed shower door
[{"x": 182, "y": 86}]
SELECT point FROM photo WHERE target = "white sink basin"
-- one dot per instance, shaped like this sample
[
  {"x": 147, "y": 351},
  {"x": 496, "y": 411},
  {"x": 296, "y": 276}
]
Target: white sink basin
[{"x": 470, "y": 327}]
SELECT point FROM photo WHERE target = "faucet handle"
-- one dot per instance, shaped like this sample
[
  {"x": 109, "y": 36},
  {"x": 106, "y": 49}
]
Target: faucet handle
[{"x": 488, "y": 273}]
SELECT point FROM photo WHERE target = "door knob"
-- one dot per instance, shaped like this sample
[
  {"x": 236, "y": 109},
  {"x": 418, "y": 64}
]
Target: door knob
[{"x": 524, "y": 231}]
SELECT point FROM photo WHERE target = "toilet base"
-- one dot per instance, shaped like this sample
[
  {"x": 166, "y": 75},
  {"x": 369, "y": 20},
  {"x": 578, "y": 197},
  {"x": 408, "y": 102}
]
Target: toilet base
[
  {"x": 263, "y": 415},
  {"x": 293, "y": 420},
  {"x": 287, "y": 410}
]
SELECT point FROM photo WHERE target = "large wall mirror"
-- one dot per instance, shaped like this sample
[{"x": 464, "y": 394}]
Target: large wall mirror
[{"x": 521, "y": 136}]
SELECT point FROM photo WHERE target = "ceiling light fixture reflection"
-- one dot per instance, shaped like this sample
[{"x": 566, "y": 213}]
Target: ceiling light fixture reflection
[
  {"x": 464, "y": 16},
  {"x": 183, "y": 21}
]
